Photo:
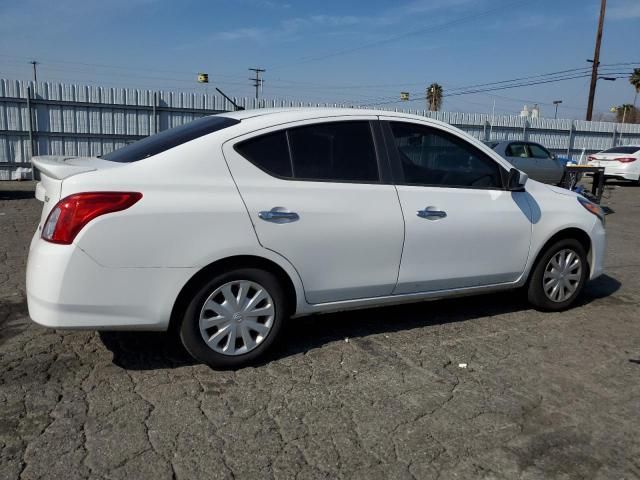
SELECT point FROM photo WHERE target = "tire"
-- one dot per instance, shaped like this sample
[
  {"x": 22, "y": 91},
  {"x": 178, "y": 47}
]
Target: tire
[
  {"x": 226, "y": 319},
  {"x": 536, "y": 294}
]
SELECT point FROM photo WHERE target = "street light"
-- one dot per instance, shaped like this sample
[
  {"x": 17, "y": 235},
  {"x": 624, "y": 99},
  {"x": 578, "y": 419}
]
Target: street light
[
  {"x": 610, "y": 79},
  {"x": 556, "y": 103}
]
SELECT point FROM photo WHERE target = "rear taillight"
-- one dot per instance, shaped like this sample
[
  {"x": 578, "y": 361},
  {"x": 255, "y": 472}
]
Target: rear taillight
[
  {"x": 72, "y": 213},
  {"x": 626, "y": 159}
]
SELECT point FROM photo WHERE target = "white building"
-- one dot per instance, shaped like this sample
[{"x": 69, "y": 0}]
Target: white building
[{"x": 533, "y": 113}]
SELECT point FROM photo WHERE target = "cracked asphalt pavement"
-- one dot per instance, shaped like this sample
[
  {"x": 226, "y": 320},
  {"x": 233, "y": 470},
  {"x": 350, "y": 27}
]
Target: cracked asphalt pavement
[{"x": 371, "y": 394}]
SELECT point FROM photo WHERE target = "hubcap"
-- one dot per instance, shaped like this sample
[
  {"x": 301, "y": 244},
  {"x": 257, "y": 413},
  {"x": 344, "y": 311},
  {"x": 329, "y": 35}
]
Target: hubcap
[
  {"x": 562, "y": 275},
  {"x": 236, "y": 317}
]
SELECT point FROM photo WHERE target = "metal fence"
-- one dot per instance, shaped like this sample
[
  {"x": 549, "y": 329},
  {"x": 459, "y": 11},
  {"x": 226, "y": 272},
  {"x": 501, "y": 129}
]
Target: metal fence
[{"x": 80, "y": 120}]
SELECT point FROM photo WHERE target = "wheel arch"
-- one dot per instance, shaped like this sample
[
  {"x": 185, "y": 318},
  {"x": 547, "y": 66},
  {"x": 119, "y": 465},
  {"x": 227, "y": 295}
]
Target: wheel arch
[
  {"x": 225, "y": 264},
  {"x": 571, "y": 232}
]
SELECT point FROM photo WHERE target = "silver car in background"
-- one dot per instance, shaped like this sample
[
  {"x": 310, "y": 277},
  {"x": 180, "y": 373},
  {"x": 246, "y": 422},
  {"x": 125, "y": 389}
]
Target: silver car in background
[{"x": 533, "y": 159}]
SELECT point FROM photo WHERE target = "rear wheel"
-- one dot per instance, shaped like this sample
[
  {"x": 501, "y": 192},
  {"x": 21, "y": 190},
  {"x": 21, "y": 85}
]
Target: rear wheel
[
  {"x": 559, "y": 276},
  {"x": 234, "y": 318}
]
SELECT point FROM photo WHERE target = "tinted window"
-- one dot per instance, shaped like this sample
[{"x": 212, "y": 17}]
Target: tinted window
[
  {"x": 538, "y": 152},
  {"x": 341, "y": 151},
  {"x": 630, "y": 150},
  {"x": 173, "y": 137},
  {"x": 433, "y": 157},
  {"x": 517, "y": 150},
  {"x": 268, "y": 152}
]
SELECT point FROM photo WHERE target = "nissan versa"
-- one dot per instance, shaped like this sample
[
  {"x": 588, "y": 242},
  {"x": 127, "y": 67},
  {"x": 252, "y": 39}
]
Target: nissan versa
[{"x": 222, "y": 228}]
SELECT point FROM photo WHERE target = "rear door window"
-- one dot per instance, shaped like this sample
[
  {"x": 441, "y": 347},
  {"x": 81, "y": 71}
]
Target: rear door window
[
  {"x": 333, "y": 151},
  {"x": 338, "y": 151}
]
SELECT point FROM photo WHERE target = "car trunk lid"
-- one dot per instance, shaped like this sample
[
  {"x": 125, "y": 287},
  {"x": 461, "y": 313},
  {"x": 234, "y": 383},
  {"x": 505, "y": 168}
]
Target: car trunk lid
[{"x": 54, "y": 169}]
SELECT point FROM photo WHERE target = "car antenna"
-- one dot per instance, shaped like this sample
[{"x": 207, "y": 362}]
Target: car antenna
[{"x": 237, "y": 107}]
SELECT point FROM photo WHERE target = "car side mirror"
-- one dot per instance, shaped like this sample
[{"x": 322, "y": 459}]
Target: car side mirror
[{"x": 516, "y": 180}]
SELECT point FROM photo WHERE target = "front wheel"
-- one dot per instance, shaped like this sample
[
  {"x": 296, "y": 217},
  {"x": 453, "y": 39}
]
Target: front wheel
[
  {"x": 559, "y": 276},
  {"x": 233, "y": 318}
]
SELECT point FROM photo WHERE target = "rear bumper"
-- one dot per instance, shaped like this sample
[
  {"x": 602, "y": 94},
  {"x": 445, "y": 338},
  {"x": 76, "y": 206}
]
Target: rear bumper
[
  {"x": 623, "y": 176},
  {"x": 629, "y": 171},
  {"x": 67, "y": 289}
]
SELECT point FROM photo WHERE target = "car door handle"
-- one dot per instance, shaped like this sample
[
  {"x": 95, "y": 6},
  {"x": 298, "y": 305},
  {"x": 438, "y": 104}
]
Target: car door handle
[
  {"x": 430, "y": 213},
  {"x": 278, "y": 215}
]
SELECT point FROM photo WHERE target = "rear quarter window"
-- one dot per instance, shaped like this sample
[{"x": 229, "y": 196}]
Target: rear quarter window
[{"x": 268, "y": 152}]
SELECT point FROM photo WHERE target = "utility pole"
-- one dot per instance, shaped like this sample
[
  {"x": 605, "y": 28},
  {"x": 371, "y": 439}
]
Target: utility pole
[
  {"x": 596, "y": 60},
  {"x": 35, "y": 72},
  {"x": 257, "y": 81}
]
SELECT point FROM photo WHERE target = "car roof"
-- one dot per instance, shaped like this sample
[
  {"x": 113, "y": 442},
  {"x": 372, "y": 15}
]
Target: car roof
[
  {"x": 257, "y": 119},
  {"x": 503, "y": 142},
  {"x": 283, "y": 115}
]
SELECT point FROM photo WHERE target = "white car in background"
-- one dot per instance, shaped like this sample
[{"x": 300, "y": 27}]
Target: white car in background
[
  {"x": 224, "y": 227},
  {"x": 621, "y": 163}
]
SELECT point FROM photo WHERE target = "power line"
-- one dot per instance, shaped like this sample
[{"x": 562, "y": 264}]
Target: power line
[
  {"x": 283, "y": 81},
  {"x": 111, "y": 66},
  {"x": 491, "y": 89},
  {"x": 394, "y": 38},
  {"x": 559, "y": 75}
]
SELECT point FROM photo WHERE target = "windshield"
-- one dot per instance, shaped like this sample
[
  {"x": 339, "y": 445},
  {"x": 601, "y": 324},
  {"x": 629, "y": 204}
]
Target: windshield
[
  {"x": 630, "y": 150},
  {"x": 173, "y": 137}
]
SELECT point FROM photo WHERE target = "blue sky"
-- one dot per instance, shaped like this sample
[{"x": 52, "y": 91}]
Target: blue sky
[{"x": 359, "y": 51}]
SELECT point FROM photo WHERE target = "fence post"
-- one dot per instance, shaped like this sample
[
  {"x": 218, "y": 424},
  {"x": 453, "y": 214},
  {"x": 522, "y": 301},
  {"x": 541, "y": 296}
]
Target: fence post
[
  {"x": 615, "y": 131},
  {"x": 153, "y": 113},
  {"x": 30, "y": 127},
  {"x": 571, "y": 138}
]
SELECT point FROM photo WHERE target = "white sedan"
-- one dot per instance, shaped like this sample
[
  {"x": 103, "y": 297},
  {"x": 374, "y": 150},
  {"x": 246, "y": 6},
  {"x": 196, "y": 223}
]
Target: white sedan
[
  {"x": 621, "y": 163},
  {"x": 223, "y": 228}
]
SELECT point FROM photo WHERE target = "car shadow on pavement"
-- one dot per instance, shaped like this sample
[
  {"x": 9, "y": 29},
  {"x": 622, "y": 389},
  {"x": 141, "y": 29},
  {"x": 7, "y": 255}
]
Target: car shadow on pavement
[
  {"x": 621, "y": 183},
  {"x": 12, "y": 319},
  {"x": 146, "y": 350},
  {"x": 17, "y": 194},
  {"x": 152, "y": 350}
]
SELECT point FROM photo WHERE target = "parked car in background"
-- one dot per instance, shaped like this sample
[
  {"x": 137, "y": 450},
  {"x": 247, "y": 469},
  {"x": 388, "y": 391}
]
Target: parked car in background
[
  {"x": 533, "y": 159},
  {"x": 222, "y": 228},
  {"x": 621, "y": 163}
]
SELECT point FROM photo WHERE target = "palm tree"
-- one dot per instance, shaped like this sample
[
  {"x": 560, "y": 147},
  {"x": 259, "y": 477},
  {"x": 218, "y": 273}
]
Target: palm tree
[
  {"x": 634, "y": 80},
  {"x": 626, "y": 113},
  {"x": 434, "y": 97}
]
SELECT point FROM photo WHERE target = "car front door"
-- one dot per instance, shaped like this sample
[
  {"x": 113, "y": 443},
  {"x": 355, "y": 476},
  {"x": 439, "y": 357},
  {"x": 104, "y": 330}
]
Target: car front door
[
  {"x": 316, "y": 193},
  {"x": 518, "y": 154},
  {"x": 550, "y": 170},
  {"x": 462, "y": 228}
]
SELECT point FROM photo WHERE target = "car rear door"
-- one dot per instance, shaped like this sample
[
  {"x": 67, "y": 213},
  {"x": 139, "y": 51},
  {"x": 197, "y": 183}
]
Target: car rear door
[
  {"x": 319, "y": 194},
  {"x": 462, "y": 228}
]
